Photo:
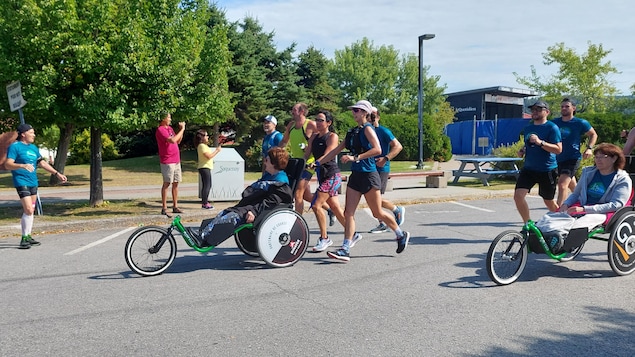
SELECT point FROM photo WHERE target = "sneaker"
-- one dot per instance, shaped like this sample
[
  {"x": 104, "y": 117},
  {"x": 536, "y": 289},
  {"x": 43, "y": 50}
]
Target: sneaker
[
  {"x": 24, "y": 243},
  {"x": 207, "y": 206},
  {"x": 331, "y": 217},
  {"x": 322, "y": 244},
  {"x": 339, "y": 254},
  {"x": 400, "y": 215},
  {"x": 402, "y": 242},
  {"x": 31, "y": 240},
  {"x": 381, "y": 228},
  {"x": 555, "y": 244},
  {"x": 356, "y": 238}
]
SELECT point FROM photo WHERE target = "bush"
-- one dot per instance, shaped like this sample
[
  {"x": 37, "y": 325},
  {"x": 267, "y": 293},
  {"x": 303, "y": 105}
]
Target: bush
[
  {"x": 141, "y": 143},
  {"x": 80, "y": 149}
]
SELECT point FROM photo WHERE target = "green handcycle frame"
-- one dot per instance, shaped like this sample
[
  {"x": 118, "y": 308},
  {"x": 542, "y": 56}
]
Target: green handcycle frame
[
  {"x": 507, "y": 255},
  {"x": 280, "y": 237}
]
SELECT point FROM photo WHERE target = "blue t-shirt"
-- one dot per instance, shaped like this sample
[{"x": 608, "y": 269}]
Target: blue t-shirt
[
  {"x": 597, "y": 187},
  {"x": 571, "y": 131},
  {"x": 385, "y": 136},
  {"x": 281, "y": 176},
  {"x": 22, "y": 153},
  {"x": 537, "y": 158},
  {"x": 271, "y": 140},
  {"x": 367, "y": 164}
]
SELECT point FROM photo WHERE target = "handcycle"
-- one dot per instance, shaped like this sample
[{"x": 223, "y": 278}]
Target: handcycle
[
  {"x": 507, "y": 254},
  {"x": 279, "y": 236}
]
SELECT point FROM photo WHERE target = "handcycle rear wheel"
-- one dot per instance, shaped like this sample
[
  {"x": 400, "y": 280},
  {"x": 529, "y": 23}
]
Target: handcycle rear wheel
[
  {"x": 282, "y": 238},
  {"x": 571, "y": 255},
  {"x": 621, "y": 247},
  {"x": 150, "y": 250},
  {"x": 506, "y": 257}
]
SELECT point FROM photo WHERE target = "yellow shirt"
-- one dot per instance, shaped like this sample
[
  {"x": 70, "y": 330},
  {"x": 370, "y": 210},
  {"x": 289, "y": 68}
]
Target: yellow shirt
[{"x": 204, "y": 162}]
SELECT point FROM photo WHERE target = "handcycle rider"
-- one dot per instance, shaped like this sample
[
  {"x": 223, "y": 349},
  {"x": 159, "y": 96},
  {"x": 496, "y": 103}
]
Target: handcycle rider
[
  {"x": 602, "y": 189},
  {"x": 268, "y": 192}
]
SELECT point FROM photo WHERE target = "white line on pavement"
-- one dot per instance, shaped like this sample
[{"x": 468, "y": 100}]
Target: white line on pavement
[
  {"x": 103, "y": 240},
  {"x": 472, "y": 207}
]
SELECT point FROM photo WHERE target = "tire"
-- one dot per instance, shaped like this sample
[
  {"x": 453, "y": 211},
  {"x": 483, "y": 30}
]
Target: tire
[
  {"x": 141, "y": 254},
  {"x": 246, "y": 242},
  {"x": 506, "y": 257},
  {"x": 282, "y": 238},
  {"x": 574, "y": 253},
  {"x": 621, "y": 247}
]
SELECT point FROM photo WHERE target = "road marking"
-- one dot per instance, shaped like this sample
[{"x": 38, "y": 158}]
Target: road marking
[
  {"x": 473, "y": 207},
  {"x": 103, "y": 240}
]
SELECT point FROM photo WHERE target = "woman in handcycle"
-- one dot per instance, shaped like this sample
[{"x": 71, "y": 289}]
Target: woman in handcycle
[
  {"x": 269, "y": 191},
  {"x": 602, "y": 189}
]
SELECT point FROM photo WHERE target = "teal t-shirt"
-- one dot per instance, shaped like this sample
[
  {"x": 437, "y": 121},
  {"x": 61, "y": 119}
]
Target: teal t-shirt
[{"x": 22, "y": 153}]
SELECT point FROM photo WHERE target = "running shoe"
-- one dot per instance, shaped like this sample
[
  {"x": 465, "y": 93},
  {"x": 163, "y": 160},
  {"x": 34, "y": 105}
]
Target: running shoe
[
  {"x": 31, "y": 240},
  {"x": 400, "y": 215},
  {"x": 381, "y": 228},
  {"x": 322, "y": 244},
  {"x": 24, "y": 243},
  {"x": 402, "y": 242},
  {"x": 356, "y": 238},
  {"x": 207, "y": 206},
  {"x": 339, "y": 254}
]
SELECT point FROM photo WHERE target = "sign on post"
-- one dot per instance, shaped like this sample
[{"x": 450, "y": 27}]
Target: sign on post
[{"x": 14, "y": 92}]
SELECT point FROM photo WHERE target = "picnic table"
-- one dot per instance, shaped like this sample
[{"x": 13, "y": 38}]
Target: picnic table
[{"x": 486, "y": 167}]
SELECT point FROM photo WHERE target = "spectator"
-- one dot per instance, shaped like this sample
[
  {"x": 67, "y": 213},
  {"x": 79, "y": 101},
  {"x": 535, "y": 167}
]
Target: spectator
[
  {"x": 23, "y": 157},
  {"x": 170, "y": 158},
  {"x": 205, "y": 165}
]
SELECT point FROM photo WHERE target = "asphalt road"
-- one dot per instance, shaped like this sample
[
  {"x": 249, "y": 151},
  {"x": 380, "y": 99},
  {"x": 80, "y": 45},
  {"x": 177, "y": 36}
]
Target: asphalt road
[{"x": 75, "y": 296}]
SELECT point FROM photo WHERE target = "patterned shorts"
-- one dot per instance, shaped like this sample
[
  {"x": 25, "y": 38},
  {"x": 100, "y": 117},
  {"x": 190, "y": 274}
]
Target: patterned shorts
[{"x": 331, "y": 185}]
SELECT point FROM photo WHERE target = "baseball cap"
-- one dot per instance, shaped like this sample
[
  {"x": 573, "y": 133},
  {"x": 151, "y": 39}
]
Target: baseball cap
[
  {"x": 23, "y": 128},
  {"x": 272, "y": 119},
  {"x": 540, "y": 104},
  {"x": 363, "y": 105}
]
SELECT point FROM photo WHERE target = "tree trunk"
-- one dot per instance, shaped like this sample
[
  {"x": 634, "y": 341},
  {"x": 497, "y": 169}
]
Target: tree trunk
[
  {"x": 96, "y": 181},
  {"x": 64, "y": 142}
]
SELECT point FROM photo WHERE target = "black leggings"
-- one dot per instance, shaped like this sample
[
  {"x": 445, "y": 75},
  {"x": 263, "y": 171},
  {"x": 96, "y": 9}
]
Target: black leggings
[{"x": 206, "y": 180}]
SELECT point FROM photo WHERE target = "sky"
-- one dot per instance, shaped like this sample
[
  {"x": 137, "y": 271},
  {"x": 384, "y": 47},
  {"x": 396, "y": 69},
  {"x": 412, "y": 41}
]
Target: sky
[{"x": 477, "y": 44}]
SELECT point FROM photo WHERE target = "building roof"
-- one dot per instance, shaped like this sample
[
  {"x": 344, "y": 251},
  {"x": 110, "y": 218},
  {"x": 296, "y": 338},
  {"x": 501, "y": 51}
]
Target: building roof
[{"x": 501, "y": 90}]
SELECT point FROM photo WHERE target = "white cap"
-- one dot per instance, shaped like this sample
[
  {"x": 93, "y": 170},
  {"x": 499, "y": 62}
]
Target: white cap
[{"x": 272, "y": 119}]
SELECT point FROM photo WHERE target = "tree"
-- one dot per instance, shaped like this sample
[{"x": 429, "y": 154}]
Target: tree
[
  {"x": 108, "y": 65},
  {"x": 261, "y": 79},
  {"x": 362, "y": 71},
  {"x": 313, "y": 70},
  {"x": 580, "y": 77}
]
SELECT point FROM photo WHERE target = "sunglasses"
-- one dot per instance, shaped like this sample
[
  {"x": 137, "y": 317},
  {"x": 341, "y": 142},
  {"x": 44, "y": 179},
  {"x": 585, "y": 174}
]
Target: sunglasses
[
  {"x": 320, "y": 120},
  {"x": 356, "y": 110}
]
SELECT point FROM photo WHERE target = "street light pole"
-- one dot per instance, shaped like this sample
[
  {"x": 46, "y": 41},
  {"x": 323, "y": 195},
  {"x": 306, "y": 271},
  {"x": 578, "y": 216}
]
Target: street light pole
[{"x": 422, "y": 38}]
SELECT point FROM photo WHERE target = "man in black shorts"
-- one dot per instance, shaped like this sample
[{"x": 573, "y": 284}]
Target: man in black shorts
[{"x": 542, "y": 143}]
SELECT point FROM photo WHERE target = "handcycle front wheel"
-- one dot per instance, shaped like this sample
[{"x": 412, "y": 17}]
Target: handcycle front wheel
[
  {"x": 150, "y": 250},
  {"x": 506, "y": 257}
]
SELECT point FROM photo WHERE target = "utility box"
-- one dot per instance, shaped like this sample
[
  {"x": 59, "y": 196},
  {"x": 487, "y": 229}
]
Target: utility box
[{"x": 228, "y": 176}]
